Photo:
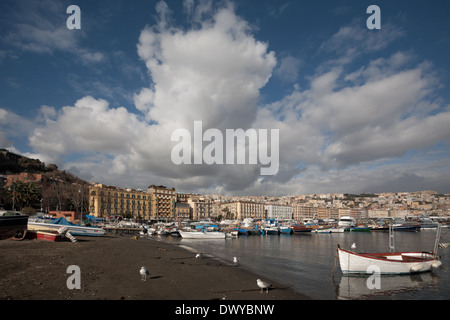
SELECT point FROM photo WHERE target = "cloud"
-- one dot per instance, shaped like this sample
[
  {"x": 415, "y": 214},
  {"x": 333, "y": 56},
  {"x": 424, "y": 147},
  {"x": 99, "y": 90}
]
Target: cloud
[
  {"x": 340, "y": 132},
  {"x": 40, "y": 27},
  {"x": 288, "y": 69},
  {"x": 213, "y": 74}
]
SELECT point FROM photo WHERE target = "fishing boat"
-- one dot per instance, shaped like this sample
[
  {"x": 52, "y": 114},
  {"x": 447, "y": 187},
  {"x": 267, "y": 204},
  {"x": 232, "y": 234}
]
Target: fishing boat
[
  {"x": 389, "y": 262},
  {"x": 337, "y": 230},
  {"x": 272, "y": 230},
  {"x": 346, "y": 221},
  {"x": 321, "y": 230},
  {"x": 407, "y": 227},
  {"x": 301, "y": 229},
  {"x": 360, "y": 229},
  {"x": 74, "y": 229},
  {"x": 242, "y": 232},
  {"x": 13, "y": 225},
  {"x": 285, "y": 230},
  {"x": 202, "y": 234}
]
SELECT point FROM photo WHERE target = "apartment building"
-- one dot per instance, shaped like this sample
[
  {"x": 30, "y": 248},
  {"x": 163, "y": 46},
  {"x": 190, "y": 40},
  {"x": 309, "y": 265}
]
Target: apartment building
[
  {"x": 302, "y": 212},
  {"x": 105, "y": 201},
  {"x": 245, "y": 209},
  {"x": 182, "y": 211},
  {"x": 200, "y": 206},
  {"x": 278, "y": 212},
  {"x": 162, "y": 202}
]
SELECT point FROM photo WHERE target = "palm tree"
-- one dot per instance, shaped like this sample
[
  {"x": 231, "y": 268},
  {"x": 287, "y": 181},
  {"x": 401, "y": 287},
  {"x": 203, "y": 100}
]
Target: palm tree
[{"x": 25, "y": 194}]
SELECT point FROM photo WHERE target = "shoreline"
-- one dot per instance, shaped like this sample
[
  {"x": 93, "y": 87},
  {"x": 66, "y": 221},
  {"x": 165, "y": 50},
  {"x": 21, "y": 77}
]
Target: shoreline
[{"x": 109, "y": 270}]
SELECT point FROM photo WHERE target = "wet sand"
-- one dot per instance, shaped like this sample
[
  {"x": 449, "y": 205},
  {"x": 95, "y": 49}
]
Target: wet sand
[{"x": 109, "y": 268}]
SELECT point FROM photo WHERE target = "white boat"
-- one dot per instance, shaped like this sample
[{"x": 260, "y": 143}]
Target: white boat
[
  {"x": 389, "y": 262},
  {"x": 75, "y": 230},
  {"x": 201, "y": 235},
  {"x": 337, "y": 230},
  {"x": 321, "y": 230},
  {"x": 346, "y": 221}
]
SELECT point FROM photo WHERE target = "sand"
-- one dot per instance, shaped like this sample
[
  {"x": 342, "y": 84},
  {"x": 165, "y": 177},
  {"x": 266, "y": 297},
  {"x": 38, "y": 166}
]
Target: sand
[{"x": 109, "y": 269}]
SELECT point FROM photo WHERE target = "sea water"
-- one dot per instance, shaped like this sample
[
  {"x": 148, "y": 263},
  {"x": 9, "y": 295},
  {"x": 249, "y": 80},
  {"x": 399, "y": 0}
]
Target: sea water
[{"x": 307, "y": 263}]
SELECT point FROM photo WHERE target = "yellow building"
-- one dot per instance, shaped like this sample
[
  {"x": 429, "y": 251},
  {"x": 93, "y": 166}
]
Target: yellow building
[
  {"x": 105, "y": 201},
  {"x": 162, "y": 202},
  {"x": 245, "y": 209}
]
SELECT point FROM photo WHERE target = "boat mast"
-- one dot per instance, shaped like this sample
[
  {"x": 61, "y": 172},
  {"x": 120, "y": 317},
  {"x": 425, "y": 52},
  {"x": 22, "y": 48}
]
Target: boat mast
[
  {"x": 391, "y": 239},
  {"x": 436, "y": 242}
]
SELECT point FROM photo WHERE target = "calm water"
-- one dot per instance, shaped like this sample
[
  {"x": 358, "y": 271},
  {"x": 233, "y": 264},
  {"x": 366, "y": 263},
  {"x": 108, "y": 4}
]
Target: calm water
[{"x": 305, "y": 263}]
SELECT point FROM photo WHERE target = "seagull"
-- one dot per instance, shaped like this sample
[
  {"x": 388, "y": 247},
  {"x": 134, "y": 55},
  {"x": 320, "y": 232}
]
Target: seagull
[
  {"x": 198, "y": 256},
  {"x": 353, "y": 246},
  {"x": 144, "y": 273},
  {"x": 235, "y": 261},
  {"x": 263, "y": 285}
]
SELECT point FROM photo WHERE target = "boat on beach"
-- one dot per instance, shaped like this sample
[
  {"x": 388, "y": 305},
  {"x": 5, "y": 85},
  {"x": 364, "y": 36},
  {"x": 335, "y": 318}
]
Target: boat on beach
[
  {"x": 74, "y": 229},
  {"x": 13, "y": 225}
]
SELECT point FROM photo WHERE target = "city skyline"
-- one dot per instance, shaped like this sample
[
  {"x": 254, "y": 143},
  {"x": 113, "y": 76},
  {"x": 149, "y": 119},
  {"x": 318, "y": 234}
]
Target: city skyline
[{"x": 357, "y": 110}]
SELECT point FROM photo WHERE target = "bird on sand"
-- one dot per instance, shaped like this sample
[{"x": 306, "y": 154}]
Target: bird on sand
[
  {"x": 235, "y": 261},
  {"x": 144, "y": 273},
  {"x": 263, "y": 285}
]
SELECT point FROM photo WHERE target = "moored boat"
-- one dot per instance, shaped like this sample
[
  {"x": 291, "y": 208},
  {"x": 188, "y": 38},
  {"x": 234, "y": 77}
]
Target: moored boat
[
  {"x": 346, "y": 221},
  {"x": 337, "y": 229},
  {"x": 202, "y": 234},
  {"x": 321, "y": 230},
  {"x": 285, "y": 230},
  {"x": 387, "y": 263},
  {"x": 360, "y": 229},
  {"x": 406, "y": 227},
  {"x": 272, "y": 230},
  {"x": 301, "y": 229}
]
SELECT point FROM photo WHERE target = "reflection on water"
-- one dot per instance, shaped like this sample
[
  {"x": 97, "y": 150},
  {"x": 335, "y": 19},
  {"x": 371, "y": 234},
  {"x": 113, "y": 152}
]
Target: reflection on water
[
  {"x": 355, "y": 287},
  {"x": 305, "y": 263}
]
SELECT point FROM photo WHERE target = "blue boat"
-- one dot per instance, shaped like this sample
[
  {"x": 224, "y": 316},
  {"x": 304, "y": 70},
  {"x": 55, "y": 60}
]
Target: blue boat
[
  {"x": 285, "y": 230},
  {"x": 242, "y": 232}
]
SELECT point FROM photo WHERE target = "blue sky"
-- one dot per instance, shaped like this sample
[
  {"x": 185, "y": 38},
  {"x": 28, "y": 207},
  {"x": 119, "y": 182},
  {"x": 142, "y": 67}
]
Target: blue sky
[{"x": 358, "y": 110}]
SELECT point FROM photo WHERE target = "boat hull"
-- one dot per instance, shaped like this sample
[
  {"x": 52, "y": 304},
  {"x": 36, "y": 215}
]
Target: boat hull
[
  {"x": 301, "y": 229},
  {"x": 74, "y": 230},
  {"x": 13, "y": 227},
  {"x": 386, "y": 263},
  {"x": 201, "y": 235}
]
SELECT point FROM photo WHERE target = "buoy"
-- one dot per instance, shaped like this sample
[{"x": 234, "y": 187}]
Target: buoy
[
  {"x": 416, "y": 267},
  {"x": 436, "y": 264}
]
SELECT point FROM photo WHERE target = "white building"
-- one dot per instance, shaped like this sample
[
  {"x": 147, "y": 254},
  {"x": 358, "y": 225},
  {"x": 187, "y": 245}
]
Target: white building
[{"x": 278, "y": 212}]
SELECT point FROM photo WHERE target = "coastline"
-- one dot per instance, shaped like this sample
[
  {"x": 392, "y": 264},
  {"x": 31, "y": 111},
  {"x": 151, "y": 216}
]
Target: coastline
[{"x": 109, "y": 269}]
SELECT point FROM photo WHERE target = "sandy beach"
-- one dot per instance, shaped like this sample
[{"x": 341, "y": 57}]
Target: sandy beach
[{"x": 109, "y": 269}]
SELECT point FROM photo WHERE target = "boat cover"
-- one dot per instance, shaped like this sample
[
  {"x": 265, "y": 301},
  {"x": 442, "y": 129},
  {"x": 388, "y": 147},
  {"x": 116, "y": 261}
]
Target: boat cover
[{"x": 62, "y": 221}]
